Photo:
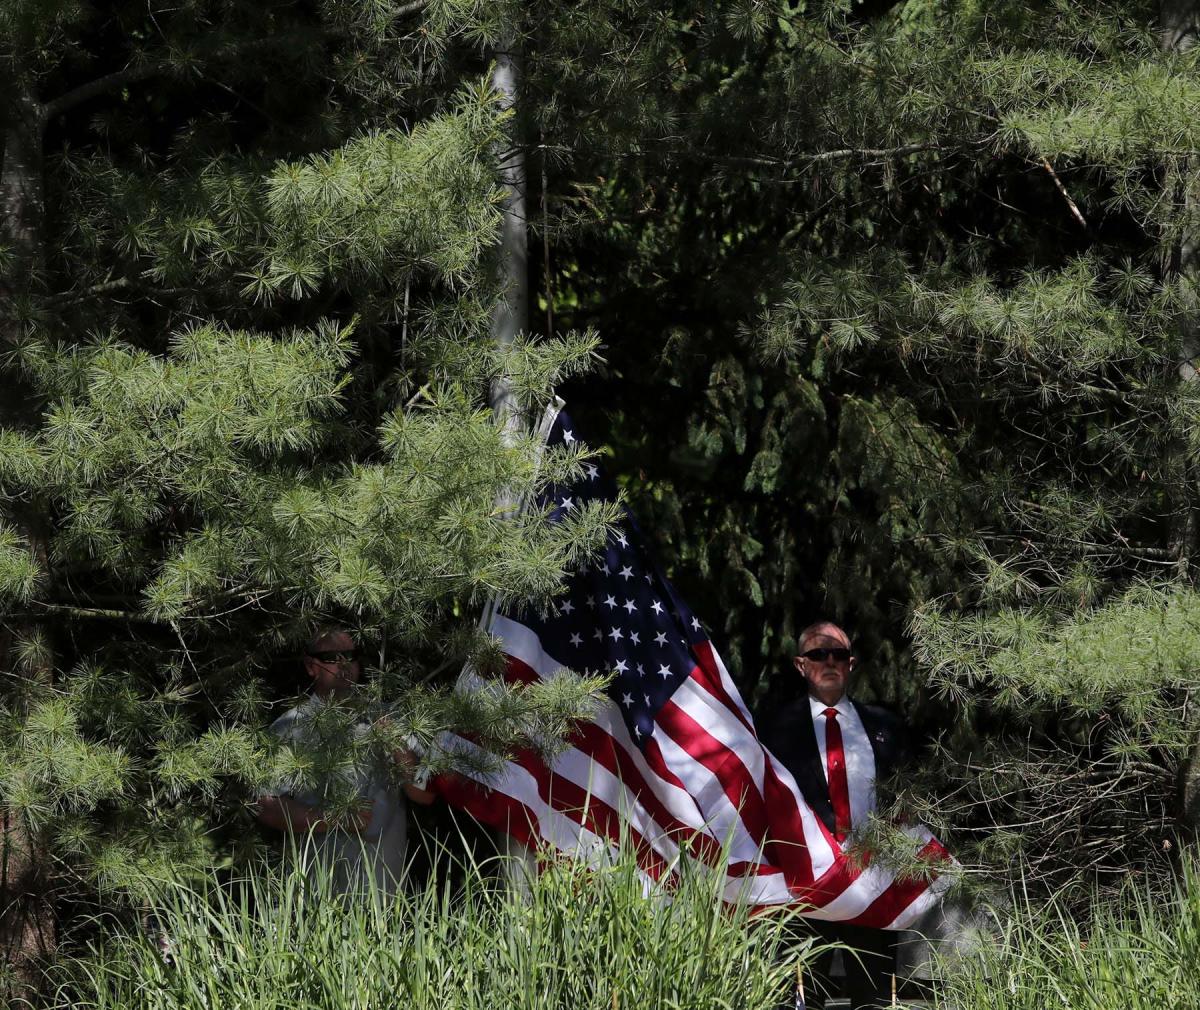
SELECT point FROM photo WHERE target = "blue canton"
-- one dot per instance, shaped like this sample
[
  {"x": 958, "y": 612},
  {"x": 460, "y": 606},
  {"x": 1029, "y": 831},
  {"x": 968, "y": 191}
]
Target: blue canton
[{"x": 619, "y": 615}]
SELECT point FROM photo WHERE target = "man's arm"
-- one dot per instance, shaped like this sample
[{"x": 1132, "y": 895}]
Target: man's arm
[
  {"x": 419, "y": 795},
  {"x": 284, "y": 812},
  {"x": 407, "y": 761}
]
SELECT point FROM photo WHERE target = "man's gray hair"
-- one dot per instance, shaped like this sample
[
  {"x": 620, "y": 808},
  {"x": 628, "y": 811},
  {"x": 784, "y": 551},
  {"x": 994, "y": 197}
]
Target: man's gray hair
[{"x": 816, "y": 626}]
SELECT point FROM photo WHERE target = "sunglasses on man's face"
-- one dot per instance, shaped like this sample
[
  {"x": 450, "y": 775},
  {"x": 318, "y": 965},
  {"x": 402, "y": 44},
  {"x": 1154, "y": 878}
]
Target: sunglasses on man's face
[
  {"x": 334, "y": 655},
  {"x": 820, "y": 655}
]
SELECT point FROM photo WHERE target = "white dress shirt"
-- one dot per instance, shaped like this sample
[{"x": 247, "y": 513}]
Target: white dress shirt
[
  {"x": 860, "y": 757},
  {"x": 380, "y": 849}
]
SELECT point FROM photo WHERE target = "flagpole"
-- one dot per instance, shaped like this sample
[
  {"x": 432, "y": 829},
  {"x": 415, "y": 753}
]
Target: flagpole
[
  {"x": 513, "y": 509},
  {"x": 519, "y": 861}
]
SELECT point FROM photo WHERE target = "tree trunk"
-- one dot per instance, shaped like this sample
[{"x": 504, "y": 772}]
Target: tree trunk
[
  {"x": 22, "y": 200},
  {"x": 27, "y": 925},
  {"x": 511, "y": 316},
  {"x": 1179, "y": 27}
]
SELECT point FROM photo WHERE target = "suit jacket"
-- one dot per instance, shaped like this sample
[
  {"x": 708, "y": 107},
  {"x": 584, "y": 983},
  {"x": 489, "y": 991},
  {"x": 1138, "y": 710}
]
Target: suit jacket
[{"x": 787, "y": 732}]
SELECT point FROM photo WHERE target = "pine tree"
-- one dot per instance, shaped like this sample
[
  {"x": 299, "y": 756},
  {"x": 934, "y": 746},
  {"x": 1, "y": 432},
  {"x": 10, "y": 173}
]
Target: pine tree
[
  {"x": 907, "y": 287},
  {"x": 247, "y": 278}
]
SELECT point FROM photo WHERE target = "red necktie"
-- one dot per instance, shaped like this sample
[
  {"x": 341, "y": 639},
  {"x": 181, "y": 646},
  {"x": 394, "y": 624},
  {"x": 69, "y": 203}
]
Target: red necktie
[{"x": 839, "y": 785}]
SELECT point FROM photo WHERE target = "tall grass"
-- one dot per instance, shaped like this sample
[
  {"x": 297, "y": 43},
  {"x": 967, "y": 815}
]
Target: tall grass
[
  {"x": 1138, "y": 953},
  {"x": 578, "y": 939}
]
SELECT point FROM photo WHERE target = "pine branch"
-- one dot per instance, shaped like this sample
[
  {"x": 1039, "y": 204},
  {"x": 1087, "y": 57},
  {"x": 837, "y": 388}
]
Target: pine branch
[
  {"x": 840, "y": 154},
  {"x": 97, "y": 613},
  {"x": 132, "y": 75},
  {"x": 1058, "y": 184},
  {"x": 99, "y": 86},
  {"x": 120, "y": 284}
]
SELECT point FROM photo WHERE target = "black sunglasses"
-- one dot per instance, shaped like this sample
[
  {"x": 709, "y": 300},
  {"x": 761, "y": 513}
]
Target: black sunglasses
[
  {"x": 820, "y": 655},
  {"x": 334, "y": 655}
]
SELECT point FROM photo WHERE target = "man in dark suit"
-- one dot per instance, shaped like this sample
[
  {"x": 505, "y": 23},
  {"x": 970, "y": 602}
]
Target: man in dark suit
[{"x": 836, "y": 748}]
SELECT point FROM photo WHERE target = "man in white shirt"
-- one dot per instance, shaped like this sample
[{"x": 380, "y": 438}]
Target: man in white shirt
[
  {"x": 372, "y": 841},
  {"x": 836, "y": 748}
]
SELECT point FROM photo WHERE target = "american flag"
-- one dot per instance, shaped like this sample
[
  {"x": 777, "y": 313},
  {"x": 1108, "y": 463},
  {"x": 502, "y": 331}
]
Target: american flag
[{"x": 671, "y": 760}]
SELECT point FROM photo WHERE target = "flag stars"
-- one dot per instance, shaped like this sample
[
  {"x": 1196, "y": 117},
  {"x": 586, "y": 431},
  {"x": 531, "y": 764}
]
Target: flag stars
[
  {"x": 664, "y": 672},
  {"x": 626, "y": 573},
  {"x": 567, "y": 607},
  {"x": 610, "y": 602},
  {"x": 634, "y": 638},
  {"x": 576, "y": 639},
  {"x": 598, "y": 635},
  {"x": 621, "y": 540},
  {"x": 661, "y": 638},
  {"x": 622, "y": 666},
  {"x": 641, "y": 670},
  {"x": 568, "y": 504},
  {"x": 593, "y": 471},
  {"x": 629, "y": 606},
  {"x": 695, "y": 624},
  {"x": 616, "y": 634},
  {"x": 568, "y": 436},
  {"x": 656, "y": 607},
  {"x": 627, "y": 700}
]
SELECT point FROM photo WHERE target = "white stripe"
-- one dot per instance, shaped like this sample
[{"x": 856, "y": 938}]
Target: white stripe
[
  {"x": 702, "y": 804},
  {"x": 516, "y": 782},
  {"x": 855, "y": 899},
  {"x": 871, "y": 883},
  {"x": 767, "y": 890},
  {"x": 600, "y": 784},
  {"x": 523, "y": 643},
  {"x": 678, "y": 802},
  {"x": 721, "y": 821},
  {"x": 710, "y": 714},
  {"x": 728, "y": 685}
]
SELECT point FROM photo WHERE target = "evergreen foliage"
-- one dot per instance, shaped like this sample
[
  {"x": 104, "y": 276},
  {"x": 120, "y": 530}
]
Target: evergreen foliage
[
  {"x": 247, "y": 282},
  {"x": 912, "y": 285},
  {"x": 899, "y": 311}
]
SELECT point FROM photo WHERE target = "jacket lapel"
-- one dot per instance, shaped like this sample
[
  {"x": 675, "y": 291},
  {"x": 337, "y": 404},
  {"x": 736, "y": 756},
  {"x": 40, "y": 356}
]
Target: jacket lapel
[{"x": 882, "y": 739}]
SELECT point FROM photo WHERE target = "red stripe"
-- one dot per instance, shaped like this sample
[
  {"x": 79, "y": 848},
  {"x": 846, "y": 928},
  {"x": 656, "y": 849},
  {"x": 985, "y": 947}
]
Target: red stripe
[
  {"x": 727, "y": 768},
  {"x": 602, "y": 747},
  {"x": 607, "y": 751},
  {"x": 589, "y": 811},
  {"x": 902, "y": 892},
  {"x": 658, "y": 764},
  {"x": 491, "y": 807},
  {"x": 708, "y": 675},
  {"x": 772, "y": 817},
  {"x": 518, "y": 671}
]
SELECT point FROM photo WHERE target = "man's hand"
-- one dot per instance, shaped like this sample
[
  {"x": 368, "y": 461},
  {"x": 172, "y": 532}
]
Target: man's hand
[
  {"x": 407, "y": 761},
  {"x": 283, "y": 813}
]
